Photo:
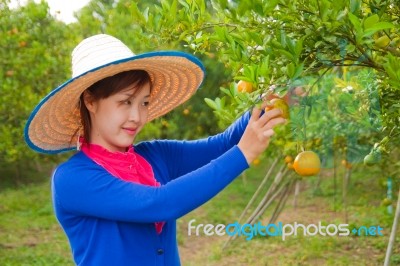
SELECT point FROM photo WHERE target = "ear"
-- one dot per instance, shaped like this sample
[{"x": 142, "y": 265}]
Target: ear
[{"x": 89, "y": 102}]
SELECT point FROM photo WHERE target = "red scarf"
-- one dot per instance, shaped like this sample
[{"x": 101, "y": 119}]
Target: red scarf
[{"x": 128, "y": 166}]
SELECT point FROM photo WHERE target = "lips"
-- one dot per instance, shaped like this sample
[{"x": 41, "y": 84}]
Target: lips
[{"x": 130, "y": 130}]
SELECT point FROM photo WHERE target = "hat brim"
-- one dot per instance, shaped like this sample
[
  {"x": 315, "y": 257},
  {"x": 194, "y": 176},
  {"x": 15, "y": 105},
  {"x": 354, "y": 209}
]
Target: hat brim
[{"x": 54, "y": 124}]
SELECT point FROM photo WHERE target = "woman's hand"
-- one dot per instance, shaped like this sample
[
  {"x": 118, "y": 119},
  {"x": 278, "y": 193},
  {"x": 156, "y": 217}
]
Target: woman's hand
[{"x": 258, "y": 132}]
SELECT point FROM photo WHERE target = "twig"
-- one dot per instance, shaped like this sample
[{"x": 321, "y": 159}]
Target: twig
[
  {"x": 393, "y": 233},
  {"x": 296, "y": 193},
  {"x": 282, "y": 202},
  {"x": 344, "y": 195},
  {"x": 278, "y": 178},
  {"x": 244, "y": 178},
  {"x": 259, "y": 188},
  {"x": 334, "y": 181},
  {"x": 267, "y": 204}
]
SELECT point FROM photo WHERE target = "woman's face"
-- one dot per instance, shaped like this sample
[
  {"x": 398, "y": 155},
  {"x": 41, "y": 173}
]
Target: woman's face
[{"x": 116, "y": 120}]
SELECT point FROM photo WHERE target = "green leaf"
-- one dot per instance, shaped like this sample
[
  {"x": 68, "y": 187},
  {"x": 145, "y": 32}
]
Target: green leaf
[
  {"x": 355, "y": 21},
  {"x": 243, "y": 78},
  {"x": 290, "y": 44},
  {"x": 290, "y": 70},
  {"x": 287, "y": 54},
  {"x": 211, "y": 103},
  {"x": 222, "y": 102},
  {"x": 298, "y": 71},
  {"x": 165, "y": 5},
  {"x": 264, "y": 68},
  {"x": 257, "y": 38},
  {"x": 270, "y": 6},
  {"x": 174, "y": 7},
  {"x": 226, "y": 91},
  {"x": 371, "y": 21},
  {"x": 146, "y": 14},
  {"x": 275, "y": 44},
  {"x": 355, "y": 6},
  {"x": 377, "y": 27},
  {"x": 342, "y": 14},
  {"x": 250, "y": 72},
  {"x": 350, "y": 48},
  {"x": 183, "y": 3},
  {"x": 299, "y": 47},
  {"x": 309, "y": 110}
]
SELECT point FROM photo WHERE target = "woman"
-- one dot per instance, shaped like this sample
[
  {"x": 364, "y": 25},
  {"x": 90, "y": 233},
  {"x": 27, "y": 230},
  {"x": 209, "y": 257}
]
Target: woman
[{"x": 118, "y": 202}]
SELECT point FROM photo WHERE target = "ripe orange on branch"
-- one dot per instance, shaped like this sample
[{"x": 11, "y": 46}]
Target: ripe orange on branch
[
  {"x": 280, "y": 104},
  {"x": 186, "y": 111},
  {"x": 256, "y": 162},
  {"x": 245, "y": 86},
  {"x": 346, "y": 164},
  {"x": 307, "y": 163},
  {"x": 288, "y": 159}
]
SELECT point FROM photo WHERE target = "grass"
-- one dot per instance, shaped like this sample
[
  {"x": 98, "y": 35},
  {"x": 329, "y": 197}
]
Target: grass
[
  {"x": 30, "y": 234},
  {"x": 313, "y": 205}
]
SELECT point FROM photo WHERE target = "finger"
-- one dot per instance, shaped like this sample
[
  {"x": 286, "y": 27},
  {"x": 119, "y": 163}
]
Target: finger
[
  {"x": 274, "y": 122},
  {"x": 269, "y": 133},
  {"x": 255, "y": 114},
  {"x": 264, "y": 104},
  {"x": 268, "y": 115}
]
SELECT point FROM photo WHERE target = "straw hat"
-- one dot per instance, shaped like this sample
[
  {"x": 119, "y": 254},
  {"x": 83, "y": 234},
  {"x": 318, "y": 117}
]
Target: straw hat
[{"x": 55, "y": 123}]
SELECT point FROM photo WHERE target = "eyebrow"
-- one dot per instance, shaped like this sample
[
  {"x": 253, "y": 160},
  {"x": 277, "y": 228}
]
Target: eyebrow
[{"x": 130, "y": 95}]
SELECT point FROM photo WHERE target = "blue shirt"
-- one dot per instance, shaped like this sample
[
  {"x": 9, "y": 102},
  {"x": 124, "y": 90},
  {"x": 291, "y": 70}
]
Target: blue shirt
[{"x": 111, "y": 222}]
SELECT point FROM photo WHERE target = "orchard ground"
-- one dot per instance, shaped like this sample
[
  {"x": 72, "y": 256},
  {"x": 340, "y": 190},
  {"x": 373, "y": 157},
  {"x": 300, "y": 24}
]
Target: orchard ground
[{"x": 30, "y": 234}]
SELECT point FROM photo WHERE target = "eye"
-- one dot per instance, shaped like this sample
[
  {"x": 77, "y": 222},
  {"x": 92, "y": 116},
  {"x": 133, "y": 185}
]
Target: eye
[
  {"x": 127, "y": 102},
  {"x": 146, "y": 103}
]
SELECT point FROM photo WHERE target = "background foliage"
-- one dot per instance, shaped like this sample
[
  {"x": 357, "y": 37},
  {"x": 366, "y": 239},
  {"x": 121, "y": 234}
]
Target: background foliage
[
  {"x": 281, "y": 43},
  {"x": 34, "y": 48},
  {"x": 342, "y": 53}
]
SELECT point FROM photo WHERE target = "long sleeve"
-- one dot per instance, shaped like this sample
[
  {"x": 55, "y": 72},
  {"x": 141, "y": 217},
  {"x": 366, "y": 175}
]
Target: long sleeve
[
  {"x": 83, "y": 188},
  {"x": 181, "y": 157},
  {"x": 111, "y": 221}
]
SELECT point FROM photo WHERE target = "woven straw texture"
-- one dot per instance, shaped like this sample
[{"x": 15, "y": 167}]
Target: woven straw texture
[{"x": 54, "y": 125}]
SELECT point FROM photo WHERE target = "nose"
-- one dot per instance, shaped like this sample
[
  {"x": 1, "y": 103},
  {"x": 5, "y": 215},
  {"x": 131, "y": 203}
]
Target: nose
[{"x": 135, "y": 113}]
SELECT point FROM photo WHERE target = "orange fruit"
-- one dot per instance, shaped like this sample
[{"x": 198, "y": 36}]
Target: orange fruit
[
  {"x": 256, "y": 162},
  {"x": 290, "y": 166},
  {"x": 186, "y": 111},
  {"x": 22, "y": 44},
  {"x": 280, "y": 104},
  {"x": 245, "y": 86},
  {"x": 288, "y": 159},
  {"x": 307, "y": 163},
  {"x": 10, "y": 73},
  {"x": 346, "y": 164}
]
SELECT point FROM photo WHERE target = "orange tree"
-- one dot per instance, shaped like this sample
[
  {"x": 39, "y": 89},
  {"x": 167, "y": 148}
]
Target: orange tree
[
  {"x": 288, "y": 44},
  {"x": 278, "y": 44},
  {"x": 34, "y": 50},
  {"x": 342, "y": 53}
]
